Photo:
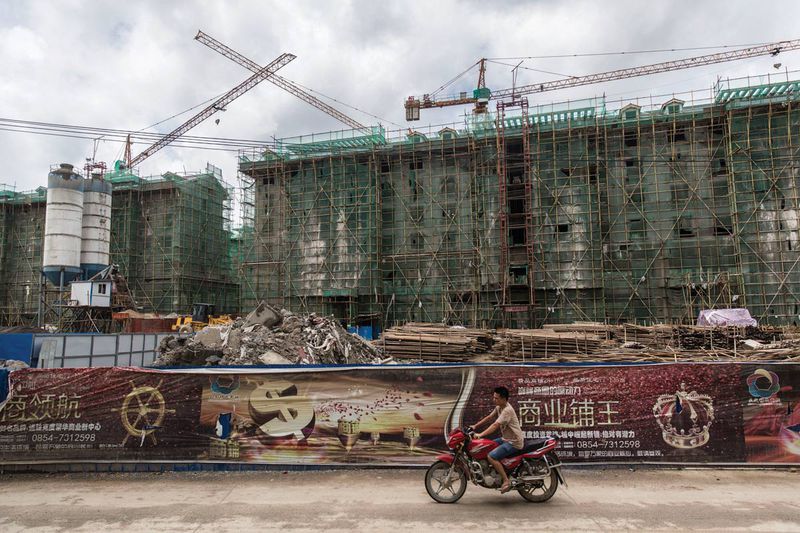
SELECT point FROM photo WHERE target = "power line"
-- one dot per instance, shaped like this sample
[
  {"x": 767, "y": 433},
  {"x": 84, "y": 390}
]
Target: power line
[
  {"x": 89, "y": 132},
  {"x": 206, "y": 102},
  {"x": 231, "y": 148}
]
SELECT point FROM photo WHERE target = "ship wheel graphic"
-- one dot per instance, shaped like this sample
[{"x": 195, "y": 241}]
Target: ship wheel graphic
[{"x": 142, "y": 412}]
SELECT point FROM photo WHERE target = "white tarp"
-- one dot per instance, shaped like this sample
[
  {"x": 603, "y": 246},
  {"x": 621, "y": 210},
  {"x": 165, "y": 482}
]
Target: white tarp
[{"x": 726, "y": 317}]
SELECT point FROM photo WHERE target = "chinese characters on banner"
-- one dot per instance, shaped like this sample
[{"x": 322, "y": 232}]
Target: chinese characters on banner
[
  {"x": 98, "y": 413},
  {"x": 632, "y": 413},
  {"x": 673, "y": 413}
]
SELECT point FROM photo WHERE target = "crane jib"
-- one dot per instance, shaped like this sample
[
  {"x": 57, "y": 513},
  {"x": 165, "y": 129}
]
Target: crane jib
[
  {"x": 283, "y": 83},
  {"x": 771, "y": 49},
  {"x": 218, "y": 104}
]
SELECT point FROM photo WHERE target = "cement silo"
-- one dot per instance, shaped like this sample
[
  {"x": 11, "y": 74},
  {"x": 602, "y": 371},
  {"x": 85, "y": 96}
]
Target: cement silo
[
  {"x": 63, "y": 226},
  {"x": 96, "y": 232}
]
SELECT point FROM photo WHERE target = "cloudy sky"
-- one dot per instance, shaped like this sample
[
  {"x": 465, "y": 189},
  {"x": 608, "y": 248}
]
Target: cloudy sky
[{"x": 128, "y": 65}]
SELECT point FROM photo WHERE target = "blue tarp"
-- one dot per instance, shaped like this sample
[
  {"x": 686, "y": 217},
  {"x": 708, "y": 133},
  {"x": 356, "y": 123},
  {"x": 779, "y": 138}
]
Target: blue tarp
[
  {"x": 365, "y": 332},
  {"x": 17, "y": 346},
  {"x": 4, "y": 372}
]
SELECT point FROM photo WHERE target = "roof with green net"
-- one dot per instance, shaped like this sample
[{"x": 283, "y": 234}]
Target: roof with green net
[{"x": 591, "y": 111}]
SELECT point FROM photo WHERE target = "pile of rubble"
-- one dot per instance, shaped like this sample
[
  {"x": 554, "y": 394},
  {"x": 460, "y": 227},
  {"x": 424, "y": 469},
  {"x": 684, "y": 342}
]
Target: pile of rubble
[
  {"x": 13, "y": 364},
  {"x": 269, "y": 336}
]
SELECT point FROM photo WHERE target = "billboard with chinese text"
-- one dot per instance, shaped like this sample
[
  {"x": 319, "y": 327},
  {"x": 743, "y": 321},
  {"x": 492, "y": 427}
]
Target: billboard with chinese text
[{"x": 399, "y": 415}]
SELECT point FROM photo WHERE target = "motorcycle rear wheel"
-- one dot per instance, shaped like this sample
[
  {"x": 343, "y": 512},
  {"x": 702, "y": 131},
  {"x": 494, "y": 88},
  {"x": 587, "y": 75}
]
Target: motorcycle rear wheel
[
  {"x": 539, "y": 491},
  {"x": 442, "y": 489}
]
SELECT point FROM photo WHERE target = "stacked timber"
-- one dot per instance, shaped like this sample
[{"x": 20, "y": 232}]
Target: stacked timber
[
  {"x": 672, "y": 337},
  {"x": 435, "y": 342},
  {"x": 659, "y": 335},
  {"x": 523, "y": 344},
  {"x": 597, "y": 328},
  {"x": 583, "y": 341}
]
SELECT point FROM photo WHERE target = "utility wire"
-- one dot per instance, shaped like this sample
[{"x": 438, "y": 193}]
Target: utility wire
[
  {"x": 587, "y": 160},
  {"x": 122, "y": 138},
  {"x": 178, "y": 144},
  {"x": 94, "y": 132}
]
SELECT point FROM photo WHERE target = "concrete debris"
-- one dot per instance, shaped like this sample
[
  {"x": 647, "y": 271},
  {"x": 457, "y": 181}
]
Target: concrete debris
[
  {"x": 272, "y": 358},
  {"x": 13, "y": 364},
  {"x": 264, "y": 315},
  {"x": 290, "y": 339},
  {"x": 209, "y": 337}
]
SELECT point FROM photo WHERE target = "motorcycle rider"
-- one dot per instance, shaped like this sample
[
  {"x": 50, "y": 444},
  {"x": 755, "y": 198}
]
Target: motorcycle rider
[{"x": 512, "y": 440}]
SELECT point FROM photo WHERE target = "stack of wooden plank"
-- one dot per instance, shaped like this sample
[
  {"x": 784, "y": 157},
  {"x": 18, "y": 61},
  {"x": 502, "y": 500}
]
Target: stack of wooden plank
[
  {"x": 435, "y": 342},
  {"x": 653, "y": 336},
  {"x": 523, "y": 344},
  {"x": 659, "y": 335},
  {"x": 582, "y": 341},
  {"x": 598, "y": 328}
]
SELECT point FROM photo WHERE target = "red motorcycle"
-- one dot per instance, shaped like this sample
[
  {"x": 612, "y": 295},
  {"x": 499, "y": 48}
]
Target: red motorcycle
[{"x": 534, "y": 471}]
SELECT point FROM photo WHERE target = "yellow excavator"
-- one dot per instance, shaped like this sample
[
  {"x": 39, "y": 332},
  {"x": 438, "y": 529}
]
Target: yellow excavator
[{"x": 202, "y": 316}]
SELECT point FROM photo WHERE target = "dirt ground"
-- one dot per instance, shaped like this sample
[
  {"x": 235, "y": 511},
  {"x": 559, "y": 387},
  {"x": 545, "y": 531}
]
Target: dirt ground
[{"x": 395, "y": 500}]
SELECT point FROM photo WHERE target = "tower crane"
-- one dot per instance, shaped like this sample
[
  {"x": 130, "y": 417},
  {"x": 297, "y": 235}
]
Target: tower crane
[
  {"x": 481, "y": 95},
  {"x": 283, "y": 83},
  {"x": 218, "y": 105}
]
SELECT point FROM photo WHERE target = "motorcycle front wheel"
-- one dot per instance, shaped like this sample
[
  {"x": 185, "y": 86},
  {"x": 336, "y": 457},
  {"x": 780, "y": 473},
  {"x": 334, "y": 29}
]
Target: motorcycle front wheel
[
  {"x": 542, "y": 490},
  {"x": 445, "y": 485}
]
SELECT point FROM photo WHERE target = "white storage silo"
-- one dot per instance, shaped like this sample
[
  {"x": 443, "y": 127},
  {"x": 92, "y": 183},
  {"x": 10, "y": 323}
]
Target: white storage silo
[
  {"x": 63, "y": 226},
  {"x": 96, "y": 231}
]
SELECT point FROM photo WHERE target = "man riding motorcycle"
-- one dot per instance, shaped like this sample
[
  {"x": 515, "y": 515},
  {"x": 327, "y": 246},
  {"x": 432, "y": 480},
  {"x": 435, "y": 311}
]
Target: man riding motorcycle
[{"x": 512, "y": 439}]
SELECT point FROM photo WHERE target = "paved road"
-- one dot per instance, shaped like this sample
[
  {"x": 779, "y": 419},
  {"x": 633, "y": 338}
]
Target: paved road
[{"x": 395, "y": 500}]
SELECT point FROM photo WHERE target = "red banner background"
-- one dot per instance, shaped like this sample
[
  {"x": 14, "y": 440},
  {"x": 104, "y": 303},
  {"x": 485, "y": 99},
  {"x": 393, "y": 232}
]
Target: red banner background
[{"x": 398, "y": 415}]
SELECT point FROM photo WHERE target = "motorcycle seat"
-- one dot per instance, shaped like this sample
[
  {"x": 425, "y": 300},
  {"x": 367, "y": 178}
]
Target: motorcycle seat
[{"x": 530, "y": 445}]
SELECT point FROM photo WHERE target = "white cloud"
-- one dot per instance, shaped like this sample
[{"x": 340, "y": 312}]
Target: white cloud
[{"x": 128, "y": 65}]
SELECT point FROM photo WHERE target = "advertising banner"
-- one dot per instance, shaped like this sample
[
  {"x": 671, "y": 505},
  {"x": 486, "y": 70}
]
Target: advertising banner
[
  {"x": 399, "y": 415},
  {"x": 771, "y": 413}
]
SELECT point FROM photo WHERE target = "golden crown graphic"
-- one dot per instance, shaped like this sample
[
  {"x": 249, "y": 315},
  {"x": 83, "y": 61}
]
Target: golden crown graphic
[{"x": 685, "y": 418}]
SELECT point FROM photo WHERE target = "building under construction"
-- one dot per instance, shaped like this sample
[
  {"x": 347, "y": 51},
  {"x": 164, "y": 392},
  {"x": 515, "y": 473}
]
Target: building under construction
[
  {"x": 170, "y": 236},
  {"x": 642, "y": 211}
]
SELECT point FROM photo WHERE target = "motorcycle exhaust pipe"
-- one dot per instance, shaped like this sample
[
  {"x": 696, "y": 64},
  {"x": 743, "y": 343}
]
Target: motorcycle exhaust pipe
[{"x": 530, "y": 479}]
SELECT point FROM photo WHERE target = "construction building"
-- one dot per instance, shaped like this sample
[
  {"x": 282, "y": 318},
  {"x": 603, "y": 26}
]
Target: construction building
[
  {"x": 642, "y": 211},
  {"x": 170, "y": 236},
  {"x": 22, "y": 218}
]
